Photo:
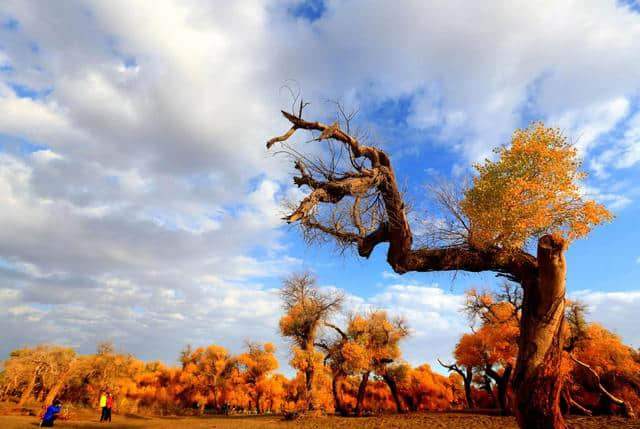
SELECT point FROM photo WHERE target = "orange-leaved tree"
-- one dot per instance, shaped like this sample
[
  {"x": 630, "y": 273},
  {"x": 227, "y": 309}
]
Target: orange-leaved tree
[
  {"x": 383, "y": 337},
  {"x": 207, "y": 368},
  {"x": 38, "y": 369},
  {"x": 257, "y": 363},
  {"x": 370, "y": 344},
  {"x": 423, "y": 389},
  {"x": 531, "y": 192},
  {"x": 493, "y": 348},
  {"x": 605, "y": 376},
  {"x": 307, "y": 308}
]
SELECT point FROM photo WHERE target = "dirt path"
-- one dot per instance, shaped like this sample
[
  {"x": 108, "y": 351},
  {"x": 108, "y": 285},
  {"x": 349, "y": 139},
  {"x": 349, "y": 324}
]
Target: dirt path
[{"x": 410, "y": 421}]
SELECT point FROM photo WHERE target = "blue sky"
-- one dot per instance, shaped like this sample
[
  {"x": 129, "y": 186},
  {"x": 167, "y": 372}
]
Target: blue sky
[{"x": 141, "y": 206}]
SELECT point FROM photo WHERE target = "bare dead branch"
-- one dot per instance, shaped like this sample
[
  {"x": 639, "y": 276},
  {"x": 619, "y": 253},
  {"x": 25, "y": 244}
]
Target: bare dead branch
[
  {"x": 378, "y": 184},
  {"x": 627, "y": 410},
  {"x": 338, "y": 330}
]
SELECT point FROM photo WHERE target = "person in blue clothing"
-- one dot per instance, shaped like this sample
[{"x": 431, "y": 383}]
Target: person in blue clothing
[{"x": 51, "y": 414}]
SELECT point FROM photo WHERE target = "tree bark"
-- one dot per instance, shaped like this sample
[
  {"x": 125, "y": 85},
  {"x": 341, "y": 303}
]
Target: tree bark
[
  {"x": 539, "y": 378},
  {"x": 467, "y": 378},
  {"x": 62, "y": 380},
  {"x": 361, "y": 391},
  {"x": 27, "y": 392},
  {"x": 502, "y": 383},
  {"x": 627, "y": 409},
  {"x": 258, "y": 396},
  {"x": 309, "y": 373},
  {"x": 393, "y": 386},
  {"x": 336, "y": 395},
  {"x": 487, "y": 387}
]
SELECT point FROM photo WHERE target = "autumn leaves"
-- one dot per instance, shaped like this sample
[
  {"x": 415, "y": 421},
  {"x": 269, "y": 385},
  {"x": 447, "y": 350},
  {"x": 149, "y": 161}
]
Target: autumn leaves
[
  {"x": 532, "y": 189},
  {"x": 531, "y": 193},
  {"x": 355, "y": 367}
]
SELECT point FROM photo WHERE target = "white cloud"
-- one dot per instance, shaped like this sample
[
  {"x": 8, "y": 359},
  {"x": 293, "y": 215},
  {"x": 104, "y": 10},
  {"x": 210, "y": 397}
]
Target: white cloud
[
  {"x": 433, "y": 316},
  {"x": 588, "y": 123},
  {"x": 613, "y": 200},
  {"x": 616, "y": 311},
  {"x": 139, "y": 217},
  {"x": 474, "y": 69},
  {"x": 390, "y": 275},
  {"x": 623, "y": 152}
]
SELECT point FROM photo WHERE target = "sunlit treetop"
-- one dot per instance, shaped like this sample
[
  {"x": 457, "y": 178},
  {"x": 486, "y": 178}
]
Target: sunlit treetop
[{"x": 532, "y": 189}]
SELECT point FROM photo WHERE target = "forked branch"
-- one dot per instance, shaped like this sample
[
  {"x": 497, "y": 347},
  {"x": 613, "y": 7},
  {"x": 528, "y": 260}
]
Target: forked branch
[
  {"x": 627, "y": 410},
  {"x": 368, "y": 209}
]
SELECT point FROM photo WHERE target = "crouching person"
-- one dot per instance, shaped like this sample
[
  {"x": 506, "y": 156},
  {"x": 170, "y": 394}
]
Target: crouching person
[{"x": 50, "y": 415}]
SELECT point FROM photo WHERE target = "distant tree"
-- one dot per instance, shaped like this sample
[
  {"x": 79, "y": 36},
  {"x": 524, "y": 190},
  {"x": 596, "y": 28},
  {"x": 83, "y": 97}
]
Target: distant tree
[
  {"x": 207, "y": 367},
  {"x": 577, "y": 324},
  {"x": 369, "y": 344},
  {"x": 257, "y": 363},
  {"x": 307, "y": 308},
  {"x": 424, "y": 389},
  {"x": 63, "y": 362},
  {"x": 491, "y": 350},
  {"x": 530, "y": 193},
  {"x": 605, "y": 374}
]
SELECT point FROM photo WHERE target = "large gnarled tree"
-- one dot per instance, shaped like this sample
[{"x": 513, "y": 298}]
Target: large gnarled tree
[{"x": 530, "y": 193}]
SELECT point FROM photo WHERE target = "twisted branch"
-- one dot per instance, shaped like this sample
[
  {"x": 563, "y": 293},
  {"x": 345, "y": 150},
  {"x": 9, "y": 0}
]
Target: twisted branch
[{"x": 377, "y": 183}]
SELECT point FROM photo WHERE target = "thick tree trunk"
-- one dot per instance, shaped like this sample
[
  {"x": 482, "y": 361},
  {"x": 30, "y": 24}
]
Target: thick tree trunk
[
  {"x": 411, "y": 402},
  {"x": 309, "y": 373},
  {"x": 487, "y": 387},
  {"x": 394, "y": 392},
  {"x": 336, "y": 395},
  {"x": 502, "y": 395},
  {"x": 502, "y": 383},
  {"x": 468, "y": 377},
  {"x": 62, "y": 380},
  {"x": 26, "y": 394},
  {"x": 361, "y": 391},
  {"x": 258, "y": 396},
  {"x": 538, "y": 380}
]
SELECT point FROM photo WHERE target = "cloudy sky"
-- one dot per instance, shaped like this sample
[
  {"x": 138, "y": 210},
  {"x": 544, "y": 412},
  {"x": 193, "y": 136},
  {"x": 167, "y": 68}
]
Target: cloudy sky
[{"x": 138, "y": 203}]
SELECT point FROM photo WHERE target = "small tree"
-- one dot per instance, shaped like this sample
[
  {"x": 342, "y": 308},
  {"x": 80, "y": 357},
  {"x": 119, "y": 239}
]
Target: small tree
[
  {"x": 206, "y": 368},
  {"x": 307, "y": 308},
  {"x": 257, "y": 363},
  {"x": 605, "y": 371},
  {"x": 370, "y": 344}
]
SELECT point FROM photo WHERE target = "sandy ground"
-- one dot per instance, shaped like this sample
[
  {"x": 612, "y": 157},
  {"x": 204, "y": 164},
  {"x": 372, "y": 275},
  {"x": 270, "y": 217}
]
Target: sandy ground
[{"x": 443, "y": 420}]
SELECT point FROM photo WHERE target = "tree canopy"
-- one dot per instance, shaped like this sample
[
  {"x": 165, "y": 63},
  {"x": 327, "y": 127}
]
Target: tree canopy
[{"x": 532, "y": 189}]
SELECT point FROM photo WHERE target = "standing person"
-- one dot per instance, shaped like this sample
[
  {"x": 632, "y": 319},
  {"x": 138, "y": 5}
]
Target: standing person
[
  {"x": 109, "y": 406},
  {"x": 103, "y": 407},
  {"x": 50, "y": 415}
]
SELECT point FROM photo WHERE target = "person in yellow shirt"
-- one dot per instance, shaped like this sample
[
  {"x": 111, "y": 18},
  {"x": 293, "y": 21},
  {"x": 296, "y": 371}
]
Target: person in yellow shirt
[{"x": 103, "y": 406}]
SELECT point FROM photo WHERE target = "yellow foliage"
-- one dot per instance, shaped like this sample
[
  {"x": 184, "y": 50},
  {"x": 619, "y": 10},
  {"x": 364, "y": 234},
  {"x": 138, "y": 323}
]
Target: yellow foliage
[
  {"x": 356, "y": 357},
  {"x": 531, "y": 190}
]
